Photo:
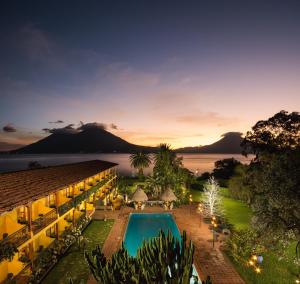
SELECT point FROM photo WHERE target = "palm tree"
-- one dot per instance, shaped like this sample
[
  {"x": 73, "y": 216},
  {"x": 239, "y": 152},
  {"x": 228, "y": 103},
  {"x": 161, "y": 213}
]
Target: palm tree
[
  {"x": 165, "y": 164},
  {"x": 140, "y": 161},
  {"x": 153, "y": 185}
]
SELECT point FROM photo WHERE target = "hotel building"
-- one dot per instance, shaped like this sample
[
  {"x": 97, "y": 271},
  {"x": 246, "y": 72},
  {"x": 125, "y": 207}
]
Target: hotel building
[{"x": 37, "y": 205}]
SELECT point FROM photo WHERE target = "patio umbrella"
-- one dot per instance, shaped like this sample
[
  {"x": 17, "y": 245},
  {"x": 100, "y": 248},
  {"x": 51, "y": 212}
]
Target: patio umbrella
[
  {"x": 168, "y": 195},
  {"x": 139, "y": 195}
]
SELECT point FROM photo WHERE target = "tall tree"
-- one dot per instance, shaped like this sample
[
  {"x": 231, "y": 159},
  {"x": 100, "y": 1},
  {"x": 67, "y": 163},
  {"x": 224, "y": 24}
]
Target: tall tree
[
  {"x": 276, "y": 191},
  {"x": 239, "y": 184},
  {"x": 279, "y": 133},
  {"x": 140, "y": 161},
  {"x": 275, "y": 174},
  {"x": 224, "y": 169},
  {"x": 166, "y": 164}
]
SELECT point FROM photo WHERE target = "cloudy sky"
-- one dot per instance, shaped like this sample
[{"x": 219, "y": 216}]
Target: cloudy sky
[{"x": 182, "y": 72}]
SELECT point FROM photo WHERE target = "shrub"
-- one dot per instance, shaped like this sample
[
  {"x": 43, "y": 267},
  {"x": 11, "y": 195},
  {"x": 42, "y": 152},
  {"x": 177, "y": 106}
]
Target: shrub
[{"x": 242, "y": 244}]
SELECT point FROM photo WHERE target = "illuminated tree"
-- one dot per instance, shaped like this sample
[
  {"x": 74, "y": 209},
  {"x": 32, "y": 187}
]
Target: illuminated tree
[{"x": 212, "y": 197}]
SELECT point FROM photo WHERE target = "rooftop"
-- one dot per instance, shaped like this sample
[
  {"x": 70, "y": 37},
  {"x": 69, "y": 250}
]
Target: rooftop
[{"x": 19, "y": 188}]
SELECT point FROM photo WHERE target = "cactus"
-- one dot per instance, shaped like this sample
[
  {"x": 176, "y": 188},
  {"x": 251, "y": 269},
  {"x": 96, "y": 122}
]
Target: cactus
[{"x": 164, "y": 259}]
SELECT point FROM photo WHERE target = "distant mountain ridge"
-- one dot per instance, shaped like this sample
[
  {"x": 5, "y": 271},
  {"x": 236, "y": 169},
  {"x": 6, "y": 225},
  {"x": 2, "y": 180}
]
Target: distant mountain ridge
[
  {"x": 230, "y": 143},
  {"x": 98, "y": 140},
  {"x": 95, "y": 140}
]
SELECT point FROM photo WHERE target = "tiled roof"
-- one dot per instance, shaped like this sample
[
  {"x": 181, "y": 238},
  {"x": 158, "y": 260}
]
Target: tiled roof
[{"x": 21, "y": 187}]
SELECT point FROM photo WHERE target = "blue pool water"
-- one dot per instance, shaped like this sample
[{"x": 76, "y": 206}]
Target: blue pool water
[{"x": 144, "y": 226}]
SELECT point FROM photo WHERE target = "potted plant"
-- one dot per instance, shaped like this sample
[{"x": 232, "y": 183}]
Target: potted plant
[
  {"x": 22, "y": 221},
  {"x": 24, "y": 258},
  {"x": 10, "y": 279},
  {"x": 7, "y": 248}
]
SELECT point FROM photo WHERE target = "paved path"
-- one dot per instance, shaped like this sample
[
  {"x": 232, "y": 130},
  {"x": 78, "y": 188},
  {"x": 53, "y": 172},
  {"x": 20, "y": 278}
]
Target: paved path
[{"x": 208, "y": 261}]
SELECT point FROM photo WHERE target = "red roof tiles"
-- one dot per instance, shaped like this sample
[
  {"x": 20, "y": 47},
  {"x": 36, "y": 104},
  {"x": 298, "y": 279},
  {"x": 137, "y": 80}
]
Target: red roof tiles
[{"x": 18, "y": 188}]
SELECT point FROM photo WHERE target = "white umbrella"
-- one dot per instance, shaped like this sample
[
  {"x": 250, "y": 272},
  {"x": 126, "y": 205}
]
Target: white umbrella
[
  {"x": 168, "y": 195},
  {"x": 139, "y": 195}
]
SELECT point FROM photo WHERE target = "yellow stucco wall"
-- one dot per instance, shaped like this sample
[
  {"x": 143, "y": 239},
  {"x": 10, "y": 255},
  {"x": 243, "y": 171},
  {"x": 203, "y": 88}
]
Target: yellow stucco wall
[
  {"x": 42, "y": 240},
  {"x": 62, "y": 225},
  {"x": 61, "y": 197},
  {"x": 13, "y": 266},
  {"x": 9, "y": 223},
  {"x": 40, "y": 207}
]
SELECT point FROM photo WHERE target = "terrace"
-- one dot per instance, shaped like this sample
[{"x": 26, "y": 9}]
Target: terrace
[
  {"x": 43, "y": 221},
  {"x": 19, "y": 237}
]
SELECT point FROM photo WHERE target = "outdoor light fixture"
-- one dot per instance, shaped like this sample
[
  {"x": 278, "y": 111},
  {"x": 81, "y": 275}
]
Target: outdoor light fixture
[
  {"x": 214, "y": 225},
  {"x": 200, "y": 208},
  {"x": 191, "y": 200},
  {"x": 257, "y": 270},
  {"x": 255, "y": 259}
]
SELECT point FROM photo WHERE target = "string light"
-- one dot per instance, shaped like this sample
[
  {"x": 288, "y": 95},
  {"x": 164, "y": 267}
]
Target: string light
[
  {"x": 257, "y": 270},
  {"x": 254, "y": 259}
]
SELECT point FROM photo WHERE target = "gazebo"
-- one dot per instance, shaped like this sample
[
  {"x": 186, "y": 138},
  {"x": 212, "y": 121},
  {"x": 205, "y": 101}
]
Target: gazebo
[
  {"x": 139, "y": 197},
  {"x": 168, "y": 197}
]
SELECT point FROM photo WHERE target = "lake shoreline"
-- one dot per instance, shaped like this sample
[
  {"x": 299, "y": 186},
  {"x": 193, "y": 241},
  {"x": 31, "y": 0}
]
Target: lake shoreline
[{"x": 197, "y": 163}]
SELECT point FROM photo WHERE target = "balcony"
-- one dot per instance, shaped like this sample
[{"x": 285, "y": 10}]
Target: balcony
[
  {"x": 43, "y": 221},
  {"x": 79, "y": 198},
  {"x": 19, "y": 237},
  {"x": 64, "y": 208}
]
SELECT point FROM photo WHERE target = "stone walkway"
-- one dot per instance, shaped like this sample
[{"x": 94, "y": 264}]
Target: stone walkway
[{"x": 208, "y": 261}]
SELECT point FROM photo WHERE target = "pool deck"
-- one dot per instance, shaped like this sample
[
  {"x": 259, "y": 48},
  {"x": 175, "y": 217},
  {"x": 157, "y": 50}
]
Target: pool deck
[{"x": 208, "y": 260}]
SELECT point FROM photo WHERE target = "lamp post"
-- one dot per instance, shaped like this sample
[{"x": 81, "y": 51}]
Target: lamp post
[
  {"x": 200, "y": 210},
  {"x": 214, "y": 225},
  {"x": 190, "y": 200}
]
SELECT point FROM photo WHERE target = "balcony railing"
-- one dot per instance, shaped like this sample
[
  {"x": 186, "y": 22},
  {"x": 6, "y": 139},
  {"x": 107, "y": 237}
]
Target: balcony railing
[
  {"x": 43, "y": 221},
  {"x": 79, "y": 198},
  {"x": 65, "y": 207},
  {"x": 19, "y": 237}
]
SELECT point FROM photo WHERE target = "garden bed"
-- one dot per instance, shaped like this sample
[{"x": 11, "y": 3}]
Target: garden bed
[{"x": 72, "y": 264}]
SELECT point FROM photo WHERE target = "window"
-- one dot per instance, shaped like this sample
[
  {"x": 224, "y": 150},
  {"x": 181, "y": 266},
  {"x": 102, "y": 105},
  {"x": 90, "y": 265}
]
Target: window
[
  {"x": 51, "y": 200},
  {"x": 22, "y": 216}
]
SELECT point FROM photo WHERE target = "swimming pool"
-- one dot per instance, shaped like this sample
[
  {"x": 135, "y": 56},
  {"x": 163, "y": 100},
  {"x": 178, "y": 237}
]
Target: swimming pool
[{"x": 144, "y": 226}]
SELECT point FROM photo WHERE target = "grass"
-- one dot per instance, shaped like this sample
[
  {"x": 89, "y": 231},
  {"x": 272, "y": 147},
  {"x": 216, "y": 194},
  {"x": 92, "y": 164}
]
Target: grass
[
  {"x": 274, "y": 271},
  {"x": 73, "y": 263},
  {"x": 236, "y": 212}
]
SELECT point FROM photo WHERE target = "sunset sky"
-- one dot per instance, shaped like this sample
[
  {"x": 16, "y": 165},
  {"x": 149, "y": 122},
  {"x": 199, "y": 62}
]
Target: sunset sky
[{"x": 182, "y": 72}]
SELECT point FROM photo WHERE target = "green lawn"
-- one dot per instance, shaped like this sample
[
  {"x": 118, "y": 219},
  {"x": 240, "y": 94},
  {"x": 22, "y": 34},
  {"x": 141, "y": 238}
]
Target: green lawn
[
  {"x": 236, "y": 212},
  {"x": 274, "y": 271},
  {"x": 73, "y": 263}
]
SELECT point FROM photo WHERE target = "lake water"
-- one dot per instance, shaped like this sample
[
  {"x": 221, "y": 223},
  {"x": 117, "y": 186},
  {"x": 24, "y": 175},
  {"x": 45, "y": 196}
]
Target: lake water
[{"x": 197, "y": 163}]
